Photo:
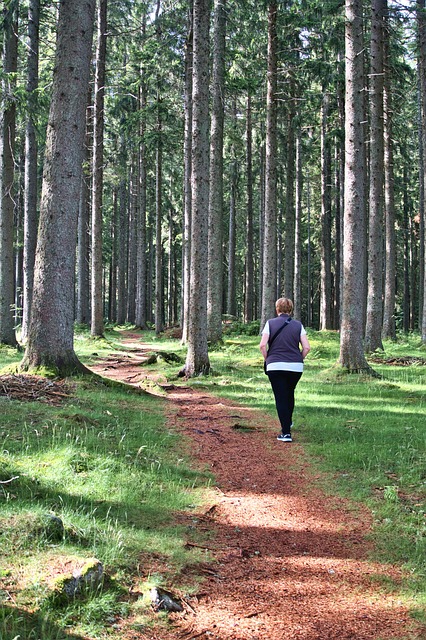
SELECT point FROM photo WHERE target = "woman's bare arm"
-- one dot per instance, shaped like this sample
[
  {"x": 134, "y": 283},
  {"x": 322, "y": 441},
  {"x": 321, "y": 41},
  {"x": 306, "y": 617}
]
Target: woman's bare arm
[{"x": 306, "y": 347}]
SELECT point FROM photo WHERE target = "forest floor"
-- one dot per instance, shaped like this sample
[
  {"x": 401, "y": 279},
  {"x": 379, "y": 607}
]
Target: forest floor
[{"x": 285, "y": 560}]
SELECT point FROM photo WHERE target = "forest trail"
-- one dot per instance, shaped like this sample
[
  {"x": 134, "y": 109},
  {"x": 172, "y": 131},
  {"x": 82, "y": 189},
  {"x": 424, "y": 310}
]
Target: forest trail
[{"x": 286, "y": 561}]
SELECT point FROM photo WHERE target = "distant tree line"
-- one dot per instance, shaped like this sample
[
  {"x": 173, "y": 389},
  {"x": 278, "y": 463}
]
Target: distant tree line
[{"x": 195, "y": 159}]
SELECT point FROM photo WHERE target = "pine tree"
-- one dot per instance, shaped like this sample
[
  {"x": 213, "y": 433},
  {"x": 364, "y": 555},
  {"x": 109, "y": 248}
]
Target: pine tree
[{"x": 51, "y": 333}]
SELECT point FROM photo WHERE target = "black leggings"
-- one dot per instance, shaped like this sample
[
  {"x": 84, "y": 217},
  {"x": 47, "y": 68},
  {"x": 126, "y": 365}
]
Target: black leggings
[{"x": 283, "y": 385}]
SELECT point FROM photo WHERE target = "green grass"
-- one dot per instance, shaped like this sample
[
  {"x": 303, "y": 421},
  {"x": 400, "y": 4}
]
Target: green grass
[
  {"x": 108, "y": 466},
  {"x": 366, "y": 434}
]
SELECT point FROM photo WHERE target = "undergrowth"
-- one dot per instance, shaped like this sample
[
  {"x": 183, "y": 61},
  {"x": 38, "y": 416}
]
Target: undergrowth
[
  {"x": 366, "y": 434},
  {"x": 101, "y": 476},
  {"x": 106, "y": 464}
]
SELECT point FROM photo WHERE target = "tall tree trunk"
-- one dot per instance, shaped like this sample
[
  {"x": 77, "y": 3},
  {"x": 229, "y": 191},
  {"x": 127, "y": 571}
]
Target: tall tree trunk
[
  {"x": 389, "y": 330},
  {"x": 352, "y": 355},
  {"x": 406, "y": 230},
  {"x": 122, "y": 250},
  {"x": 290, "y": 214},
  {"x": 373, "y": 333},
  {"x": 171, "y": 279},
  {"x": 197, "y": 361},
  {"x": 261, "y": 220},
  {"x": 231, "y": 304},
  {"x": 151, "y": 265},
  {"x": 19, "y": 257},
  {"x": 159, "y": 294},
  {"x": 326, "y": 299},
  {"x": 413, "y": 270},
  {"x": 7, "y": 154},
  {"x": 83, "y": 230},
  {"x": 187, "y": 153},
  {"x": 114, "y": 258},
  {"x": 280, "y": 244},
  {"x": 132, "y": 250},
  {"x": 297, "y": 296},
  {"x": 421, "y": 18},
  {"x": 30, "y": 197},
  {"x": 97, "y": 322},
  {"x": 309, "y": 252},
  {"x": 269, "y": 276},
  {"x": 249, "y": 261},
  {"x": 422, "y": 242},
  {"x": 337, "y": 234},
  {"x": 51, "y": 333},
  {"x": 215, "y": 258},
  {"x": 141, "y": 269},
  {"x": 340, "y": 204}
]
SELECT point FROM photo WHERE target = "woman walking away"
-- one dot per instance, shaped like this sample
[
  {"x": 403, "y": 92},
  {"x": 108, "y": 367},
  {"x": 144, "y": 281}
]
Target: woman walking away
[{"x": 280, "y": 345}]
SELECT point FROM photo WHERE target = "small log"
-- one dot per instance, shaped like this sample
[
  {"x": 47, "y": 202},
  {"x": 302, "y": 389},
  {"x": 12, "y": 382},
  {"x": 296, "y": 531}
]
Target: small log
[{"x": 9, "y": 481}]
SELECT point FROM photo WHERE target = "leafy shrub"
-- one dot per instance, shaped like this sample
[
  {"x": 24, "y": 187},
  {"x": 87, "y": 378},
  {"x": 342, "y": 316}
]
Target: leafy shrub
[{"x": 237, "y": 327}]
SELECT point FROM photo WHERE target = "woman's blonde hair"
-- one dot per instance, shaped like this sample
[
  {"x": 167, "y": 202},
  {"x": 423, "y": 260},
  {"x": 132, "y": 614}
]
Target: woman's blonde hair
[{"x": 284, "y": 305}]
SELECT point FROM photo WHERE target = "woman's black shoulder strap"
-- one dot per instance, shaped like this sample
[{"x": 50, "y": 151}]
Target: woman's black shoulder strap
[{"x": 285, "y": 323}]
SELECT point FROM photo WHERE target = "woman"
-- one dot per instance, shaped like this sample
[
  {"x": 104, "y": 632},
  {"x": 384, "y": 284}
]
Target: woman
[{"x": 280, "y": 347}]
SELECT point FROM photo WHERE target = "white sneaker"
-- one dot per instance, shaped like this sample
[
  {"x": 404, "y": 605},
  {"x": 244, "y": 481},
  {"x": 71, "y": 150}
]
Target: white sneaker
[{"x": 285, "y": 437}]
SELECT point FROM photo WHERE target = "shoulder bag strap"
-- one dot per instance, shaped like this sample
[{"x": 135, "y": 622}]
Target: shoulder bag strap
[{"x": 270, "y": 341}]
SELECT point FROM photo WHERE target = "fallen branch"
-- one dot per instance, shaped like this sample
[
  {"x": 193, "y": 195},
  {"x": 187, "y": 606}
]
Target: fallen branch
[
  {"x": 9, "y": 481},
  {"x": 26, "y": 387},
  {"x": 200, "y": 546}
]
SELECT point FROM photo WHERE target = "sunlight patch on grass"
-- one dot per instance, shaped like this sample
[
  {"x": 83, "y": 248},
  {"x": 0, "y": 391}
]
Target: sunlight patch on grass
[{"x": 106, "y": 467}]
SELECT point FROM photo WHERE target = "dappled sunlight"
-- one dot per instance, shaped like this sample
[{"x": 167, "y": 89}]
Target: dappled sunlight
[
  {"x": 290, "y": 561},
  {"x": 349, "y": 404},
  {"x": 284, "y": 512},
  {"x": 319, "y": 598}
]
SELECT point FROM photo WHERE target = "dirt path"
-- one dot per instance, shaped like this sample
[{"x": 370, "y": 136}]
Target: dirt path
[{"x": 289, "y": 563}]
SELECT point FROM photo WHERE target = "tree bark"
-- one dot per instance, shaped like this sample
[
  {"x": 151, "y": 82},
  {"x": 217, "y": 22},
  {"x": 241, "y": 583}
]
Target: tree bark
[
  {"x": 97, "y": 322},
  {"x": 269, "y": 276},
  {"x": 249, "y": 261},
  {"x": 406, "y": 304},
  {"x": 112, "y": 306},
  {"x": 51, "y": 334},
  {"x": 83, "y": 230},
  {"x": 197, "y": 361},
  {"x": 141, "y": 284},
  {"x": 339, "y": 181},
  {"x": 421, "y": 19},
  {"x": 309, "y": 297},
  {"x": 140, "y": 319},
  {"x": 373, "y": 333},
  {"x": 422, "y": 237},
  {"x": 352, "y": 355},
  {"x": 132, "y": 249},
  {"x": 389, "y": 330},
  {"x": 215, "y": 256},
  {"x": 7, "y": 172},
  {"x": 339, "y": 153},
  {"x": 261, "y": 218},
  {"x": 231, "y": 304},
  {"x": 297, "y": 287},
  {"x": 19, "y": 253},
  {"x": 290, "y": 213},
  {"x": 151, "y": 266},
  {"x": 171, "y": 273},
  {"x": 326, "y": 299},
  {"x": 30, "y": 178},
  {"x": 187, "y": 196},
  {"x": 121, "y": 229},
  {"x": 159, "y": 294}
]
